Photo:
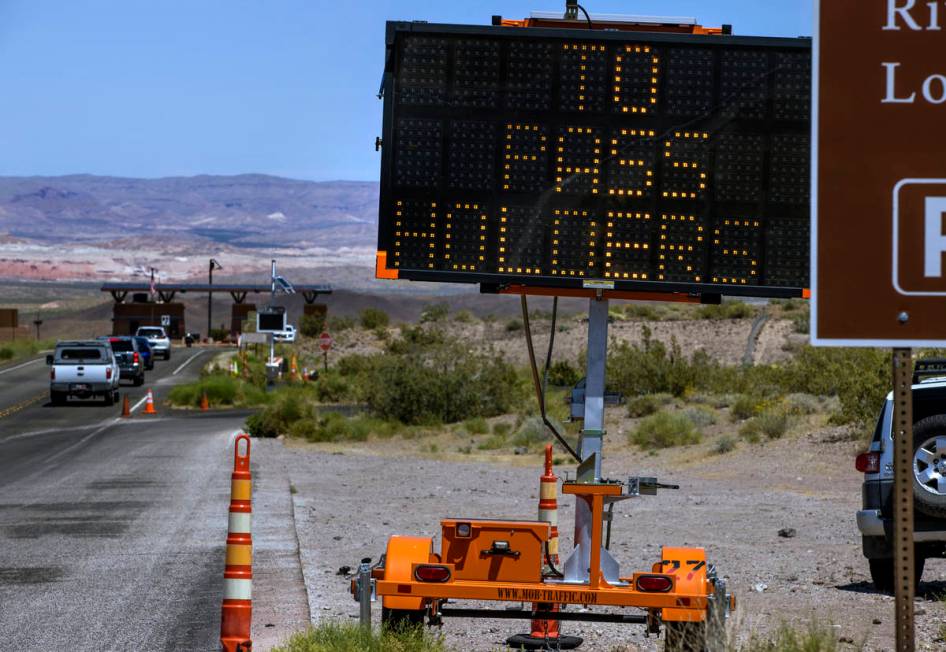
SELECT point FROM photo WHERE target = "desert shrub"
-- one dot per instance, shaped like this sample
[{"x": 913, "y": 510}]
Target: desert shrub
[
  {"x": 665, "y": 429},
  {"x": 6, "y": 353},
  {"x": 772, "y": 423},
  {"x": 278, "y": 418},
  {"x": 563, "y": 374},
  {"x": 745, "y": 407},
  {"x": 727, "y": 310},
  {"x": 476, "y": 426},
  {"x": 816, "y": 637},
  {"x": 724, "y": 444},
  {"x": 463, "y": 317},
  {"x": 801, "y": 322},
  {"x": 372, "y": 318},
  {"x": 652, "y": 368},
  {"x": 340, "y": 323},
  {"x": 642, "y": 312},
  {"x": 700, "y": 415},
  {"x": 444, "y": 384},
  {"x": 803, "y": 404},
  {"x": 353, "y": 365},
  {"x": 533, "y": 433},
  {"x": 434, "y": 312},
  {"x": 514, "y": 326},
  {"x": 312, "y": 325},
  {"x": 502, "y": 428},
  {"x": 493, "y": 442},
  {"x": 643, "y": 406},
  {"x": 330, "y": 636},
  {"x": 415, "y": 338},
  {"x": 221, "y": 389},
  {"x": 332, "y": 387},
  {"x": 304, "y": 429},
  {"x": 219, "y": 334}
]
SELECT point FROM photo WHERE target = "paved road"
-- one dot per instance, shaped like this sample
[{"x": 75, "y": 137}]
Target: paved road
[{"x": 112, "y": 531}]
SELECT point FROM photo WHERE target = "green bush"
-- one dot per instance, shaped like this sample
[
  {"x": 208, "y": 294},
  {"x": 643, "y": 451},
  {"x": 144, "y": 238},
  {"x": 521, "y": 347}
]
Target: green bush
[
  {"x": 312, "y": 325},
  {"x": 725, "y": 444},
  {"x": 434, "y": 312},
  {"x": 476, "y": 426},
  {"x": 278, "y": 418},
  {"x": 644, "y": 406},
  {"x": 350, "y": 637},
  {"x": 700, "y": 415},
  {"x": 340, "y": 323},
  {"x": 533, "y": 433},
  {"x": 221, "y": 389},
  {"x": 443, "y": 384},
  {"x": 332, "y": 387},
  {"x": 816, "y": 638},
  {"x": 651, "y": 368},
  {"x": 514, "y": 325},
  {"x": 745, "y": 407},
  {"x": 802, "y": 404},
  {"x": 801, "y": 322},
  {"x": 771, "y": 424},
  {"x": 502, "y": 428},
  {"x": 463, "y": 317},
  {"x": 563, "y": 374},
  {"x": 372, "y": 318},
  {"x": 493, "y": 442},
  {"x": 6, "y": 353},
  {"x": 642, "y": 312},
  {"x": 219, "y": 334},
  {"x": 416, "y": 339},
  {"x": 665, "y": 429},
  {"x": 727, "y": 310}
]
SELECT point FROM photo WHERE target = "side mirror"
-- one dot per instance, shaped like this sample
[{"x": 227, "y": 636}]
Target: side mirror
[{"x": 49, "y": 359}]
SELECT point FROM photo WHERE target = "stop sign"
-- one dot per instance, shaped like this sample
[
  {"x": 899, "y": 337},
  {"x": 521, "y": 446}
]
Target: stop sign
[{"x": 325, "y": 341}]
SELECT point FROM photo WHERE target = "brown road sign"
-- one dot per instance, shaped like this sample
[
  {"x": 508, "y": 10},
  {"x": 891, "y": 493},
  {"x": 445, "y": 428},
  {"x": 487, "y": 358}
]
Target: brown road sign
[{"x": 879, "y": 174}]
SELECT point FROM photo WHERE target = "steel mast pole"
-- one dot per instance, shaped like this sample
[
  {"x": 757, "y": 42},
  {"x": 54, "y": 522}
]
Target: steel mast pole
[
  {"x": 590, "y": 445},
  {"x": 210, "y": 299}
]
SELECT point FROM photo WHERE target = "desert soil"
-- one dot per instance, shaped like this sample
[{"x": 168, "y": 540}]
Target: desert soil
[{"x": 350, "y": 499}]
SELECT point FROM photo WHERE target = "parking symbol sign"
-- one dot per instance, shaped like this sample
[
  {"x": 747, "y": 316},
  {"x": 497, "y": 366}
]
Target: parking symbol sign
[{"x": 919, "y": 237}]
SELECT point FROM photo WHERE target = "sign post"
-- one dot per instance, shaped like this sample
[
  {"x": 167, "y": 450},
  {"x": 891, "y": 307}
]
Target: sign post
[
  {"x": 878, "y": 209},
  {"x": 325, "y": 343}
]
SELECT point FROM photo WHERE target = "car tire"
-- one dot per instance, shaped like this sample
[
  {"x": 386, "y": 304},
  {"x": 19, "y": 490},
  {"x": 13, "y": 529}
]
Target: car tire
[
  {"x": 57, "y": 398},
  {"x": 139, "y": 381},
  {"x": 167, "y": 355},
  {"x": 109, "y": 399},
  {"x": 929, "y": 465},
  {"x": 881, "y": 572}
]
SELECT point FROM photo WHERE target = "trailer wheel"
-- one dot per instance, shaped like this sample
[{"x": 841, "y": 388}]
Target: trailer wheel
[
  {"x": 401, "y": 618},
  {"x": 685, "y": 637}
]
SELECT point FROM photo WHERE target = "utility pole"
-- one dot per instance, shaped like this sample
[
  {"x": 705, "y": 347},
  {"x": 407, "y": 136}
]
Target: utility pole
[
  {"x": 210, "y": 294},
  {"x": 37, "y": 322}
]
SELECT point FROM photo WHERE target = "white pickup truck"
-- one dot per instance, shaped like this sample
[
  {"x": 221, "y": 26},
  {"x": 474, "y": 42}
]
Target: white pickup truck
[{"x": 83, "y": 369}]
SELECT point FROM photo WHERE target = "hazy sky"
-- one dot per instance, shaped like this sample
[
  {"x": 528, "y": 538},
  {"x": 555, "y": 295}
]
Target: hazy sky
[{"x": 155, "y": 88}]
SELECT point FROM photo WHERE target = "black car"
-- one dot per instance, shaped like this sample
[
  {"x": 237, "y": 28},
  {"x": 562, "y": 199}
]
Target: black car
[{"x": 147, "y": 354}]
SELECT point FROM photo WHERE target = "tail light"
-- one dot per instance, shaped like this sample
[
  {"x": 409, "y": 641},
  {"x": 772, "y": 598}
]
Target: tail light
[
  {"x": 108, "y": 373},
  {"x": 431, "y": 573},
  {"x": 135, "y": 358},
  {"x": 52, "y": 373},
  {"x": 654, "y": 583},
  {"x": 868, "y": 462}
]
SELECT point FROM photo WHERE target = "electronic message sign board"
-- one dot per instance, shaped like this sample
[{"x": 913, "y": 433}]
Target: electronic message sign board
[{"x": 603, "y": 159}]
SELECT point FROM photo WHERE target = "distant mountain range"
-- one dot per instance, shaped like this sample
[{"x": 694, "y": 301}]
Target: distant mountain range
[{"x": 244, "y": 211}]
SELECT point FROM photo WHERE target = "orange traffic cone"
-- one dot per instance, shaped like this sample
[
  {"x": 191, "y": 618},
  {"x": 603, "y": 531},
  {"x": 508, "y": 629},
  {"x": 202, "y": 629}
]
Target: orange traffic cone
[
  {"x": 204, "y": 402},
  {"x": 126, "y": 407},
  {"x": 545, "y": 634},
  {"x": 293, "y": 369},
  {"x": 149, "y": 404},
  {"x": 237, "y": 612}
]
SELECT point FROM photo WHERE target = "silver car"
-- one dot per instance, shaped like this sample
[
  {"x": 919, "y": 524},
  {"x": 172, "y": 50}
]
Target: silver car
[{"x": 159, "y": 340}]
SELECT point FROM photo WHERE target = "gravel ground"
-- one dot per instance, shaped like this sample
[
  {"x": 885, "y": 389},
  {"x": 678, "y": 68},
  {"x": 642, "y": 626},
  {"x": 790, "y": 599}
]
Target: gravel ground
[{"x": 349, "y": 500}]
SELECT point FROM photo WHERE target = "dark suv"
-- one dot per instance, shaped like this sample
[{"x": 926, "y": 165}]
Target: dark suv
[
  {"x": 875, "y": 520},
  {"x": 131, "y": 364}
]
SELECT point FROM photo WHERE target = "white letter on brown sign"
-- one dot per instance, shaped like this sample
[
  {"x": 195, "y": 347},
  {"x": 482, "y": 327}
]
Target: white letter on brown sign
[{"x": 891, "y": 97}]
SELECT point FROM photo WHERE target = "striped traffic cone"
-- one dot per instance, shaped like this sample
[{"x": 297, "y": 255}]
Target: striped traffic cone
[
  {"x": 149, "y": 404},
  {"x": 237, "y": 611},
  {"x": 545, "y": 634}
]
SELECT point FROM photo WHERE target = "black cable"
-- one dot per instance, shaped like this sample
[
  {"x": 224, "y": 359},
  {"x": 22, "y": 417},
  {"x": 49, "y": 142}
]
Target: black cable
[
  {"x": 548, "y": 560},
  {"x": 538, "y": 384},
  {"x": 587, "y": 17},
  {"x": 548, "y": 356}
]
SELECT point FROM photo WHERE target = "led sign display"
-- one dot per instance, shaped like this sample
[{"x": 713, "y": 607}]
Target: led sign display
[{"x": 577, "y": 158}]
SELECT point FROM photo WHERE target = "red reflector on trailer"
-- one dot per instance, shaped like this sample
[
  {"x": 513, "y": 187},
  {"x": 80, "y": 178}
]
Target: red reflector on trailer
[
  {"x": 868, "y": 463},
  {"x": 431, "y": 573},
  {"x": 654, "y": 583}
]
